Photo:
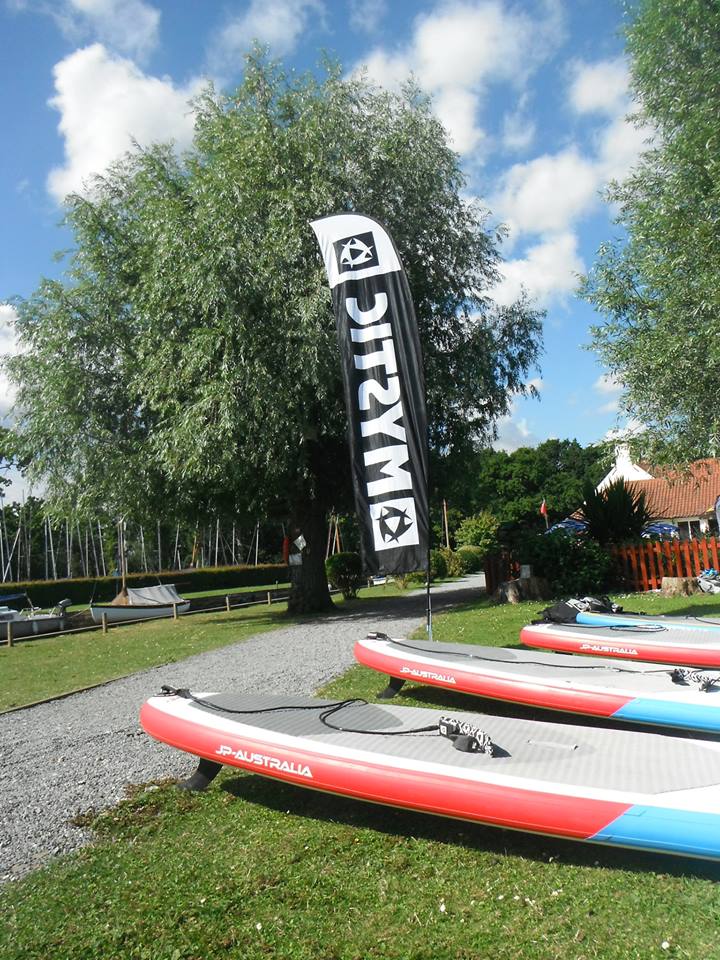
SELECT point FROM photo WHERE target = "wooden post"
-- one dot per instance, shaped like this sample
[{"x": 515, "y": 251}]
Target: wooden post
[
  {"x": 227, "y": 603},
  {"x": 104, "y": 622},
  {"x": 269, "y": 598},
  {"x": 9, "y": 633},
  {"x": 175, "y": 613}
]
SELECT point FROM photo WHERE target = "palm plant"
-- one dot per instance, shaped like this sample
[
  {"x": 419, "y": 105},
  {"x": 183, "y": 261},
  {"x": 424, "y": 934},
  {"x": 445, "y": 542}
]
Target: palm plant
[{"x": 615, "y": 513}]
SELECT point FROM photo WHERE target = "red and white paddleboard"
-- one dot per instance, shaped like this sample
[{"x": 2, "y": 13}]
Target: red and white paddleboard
[
  {"x": 696, "y": 648},
  {"x": 628, "y": 789},
  {"x": 636, "y": 692}
]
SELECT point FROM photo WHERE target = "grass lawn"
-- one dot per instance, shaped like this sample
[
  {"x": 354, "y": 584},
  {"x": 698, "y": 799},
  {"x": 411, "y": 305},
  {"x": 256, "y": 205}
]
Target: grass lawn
[
  {"x": 35, "y": 669},
  {"x": 257, "y": 869}
]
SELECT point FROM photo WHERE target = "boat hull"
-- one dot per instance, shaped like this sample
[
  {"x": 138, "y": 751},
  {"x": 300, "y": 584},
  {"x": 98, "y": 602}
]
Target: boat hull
[
  {"x": 131, "y": 613},
  {"x": 32, "y": 626}
]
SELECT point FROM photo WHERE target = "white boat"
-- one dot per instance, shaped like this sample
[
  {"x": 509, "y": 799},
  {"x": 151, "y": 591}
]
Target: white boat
[
  {"x": 31, "y": 621},
  {"x": 144, "y": 603}
]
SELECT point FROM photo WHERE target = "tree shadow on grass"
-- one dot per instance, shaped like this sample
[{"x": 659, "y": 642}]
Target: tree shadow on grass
[{"x": 491, "y": 841}]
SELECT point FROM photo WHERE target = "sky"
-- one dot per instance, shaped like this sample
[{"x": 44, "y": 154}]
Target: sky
[{"x": 533, "y": 94}]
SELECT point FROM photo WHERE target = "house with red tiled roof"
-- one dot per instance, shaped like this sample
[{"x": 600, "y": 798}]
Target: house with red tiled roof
[{"x": 687, "y": 498}]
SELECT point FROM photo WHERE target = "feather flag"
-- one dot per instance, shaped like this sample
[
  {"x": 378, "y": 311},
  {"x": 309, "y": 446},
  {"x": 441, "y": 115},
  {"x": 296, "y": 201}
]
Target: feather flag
[{"x": 384, "y": 390}]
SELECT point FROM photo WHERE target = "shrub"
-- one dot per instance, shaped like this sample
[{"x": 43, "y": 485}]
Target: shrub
[
  {"x": 438, "y": 570},
  {"x": 478, "y": 531},
  {"x": 46, "y": 593},
  {"x": 573, "y": 566},
  {"x": 616, "y": 513},
  {"x": 344, "y": 572},
  {"x": 438, "y": 565},
  {"x": 471, "y": 558},
  {"x": 453, "y": 562}
]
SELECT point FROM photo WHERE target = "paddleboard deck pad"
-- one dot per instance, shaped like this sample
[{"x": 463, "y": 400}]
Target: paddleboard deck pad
[
  {"x": 616, "y": 787},
  {"x": 654, "y": 642},
  {"x": 651, "y": 693}
]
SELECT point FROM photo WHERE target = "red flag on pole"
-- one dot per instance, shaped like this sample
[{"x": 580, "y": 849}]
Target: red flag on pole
[{"x": 543, "y": 508}]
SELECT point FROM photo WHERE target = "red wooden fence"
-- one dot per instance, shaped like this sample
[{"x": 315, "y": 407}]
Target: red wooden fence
[{"x": 641, "y": 566}]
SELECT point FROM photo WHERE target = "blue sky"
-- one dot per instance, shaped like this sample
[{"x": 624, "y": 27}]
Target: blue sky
[{"x": 533, "y": 94}]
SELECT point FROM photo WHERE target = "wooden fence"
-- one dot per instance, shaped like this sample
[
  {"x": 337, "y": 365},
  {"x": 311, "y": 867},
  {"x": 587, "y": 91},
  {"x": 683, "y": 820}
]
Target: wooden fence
[{"x": 641, "y": 566}]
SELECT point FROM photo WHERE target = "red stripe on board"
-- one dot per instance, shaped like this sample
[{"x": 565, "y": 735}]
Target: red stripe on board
[
  {"x": 512, "y": 689},
  {"x": 516, "y": 808},
  {"x": 630, "y": 648}
]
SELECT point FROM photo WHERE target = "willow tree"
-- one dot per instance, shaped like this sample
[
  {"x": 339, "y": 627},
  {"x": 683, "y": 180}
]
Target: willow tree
[
  {"x": 658, "y": 285},
  {"x": 189, "y": 353}
]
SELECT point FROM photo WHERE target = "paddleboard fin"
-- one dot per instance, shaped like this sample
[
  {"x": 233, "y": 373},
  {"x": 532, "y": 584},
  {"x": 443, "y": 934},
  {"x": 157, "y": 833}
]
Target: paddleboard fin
[
  {"x": 206, "y": 772},
  {"x": 395, "y": 684}
]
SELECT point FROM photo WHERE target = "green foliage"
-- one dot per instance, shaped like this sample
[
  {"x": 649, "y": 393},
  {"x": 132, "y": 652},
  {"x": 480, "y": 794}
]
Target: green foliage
[
  {"x": 511, "y": 486},
  {"x": 453, "y": 562},
  {"x": 438, "y": 570},
  {"x": 344, "y": 572},
  {"x": 478, "y": 531},
  {"x": 46, "y": 593},
  {"x": 438, "y": 565},
  {"x": 192, "y": 350},
  {"x": 573, "y": 566},
  {"x": 615, "y": 513},
  {"x": 471, "y": 558},
  {"x": 226, "y": 874},
  {"x": 657, "y": 287}
]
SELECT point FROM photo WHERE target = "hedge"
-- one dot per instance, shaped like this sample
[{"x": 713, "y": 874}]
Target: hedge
[{"x": 46, "y": 593}]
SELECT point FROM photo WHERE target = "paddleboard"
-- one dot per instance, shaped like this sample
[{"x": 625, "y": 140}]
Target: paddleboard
[
  {"x": 642, "y": 642},
  {"x": 651, "y": 693},
  {"x": 665, "y": 621},
  {"x": 622, "y": 788}
]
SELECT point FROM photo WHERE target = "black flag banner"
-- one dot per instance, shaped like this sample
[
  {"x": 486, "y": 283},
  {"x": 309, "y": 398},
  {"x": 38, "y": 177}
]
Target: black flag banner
[{"x": 384, "y": 390}]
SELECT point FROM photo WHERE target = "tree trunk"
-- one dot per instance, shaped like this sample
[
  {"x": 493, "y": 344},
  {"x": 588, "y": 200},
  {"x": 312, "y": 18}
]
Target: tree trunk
[{"x": 309, "y": 588}]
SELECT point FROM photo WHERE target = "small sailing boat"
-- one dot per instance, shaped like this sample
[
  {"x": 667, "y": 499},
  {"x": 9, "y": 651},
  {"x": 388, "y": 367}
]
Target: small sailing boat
[{"x": 138, "y": 603}]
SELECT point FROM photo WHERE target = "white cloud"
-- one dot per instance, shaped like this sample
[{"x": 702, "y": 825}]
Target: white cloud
[
  {"x": 514, "y": 433},
  {"x": 8, "y": 347},
  {"x": 551, "y": 192},
  {"x": 548, "y": 272},
  {"x": 456, "y": 108},
  {"x": 459, "y": 49},
  {"x": 606, "y": 384},
  {"x": 366, "y": 15},
  {"x": 600, "y": 87},
  {"x": 277, "y": 23},
  {"x": 105, "y": 102},
  {"x": 518, "y": 130},
  {"x": 128, "y": 26},
  {"x": 547, "y": 193},
  {"x": 619, "y": 146}
]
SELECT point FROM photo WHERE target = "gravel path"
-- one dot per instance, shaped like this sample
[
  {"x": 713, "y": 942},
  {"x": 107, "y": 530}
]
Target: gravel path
[{"x": 68, "y": 756}]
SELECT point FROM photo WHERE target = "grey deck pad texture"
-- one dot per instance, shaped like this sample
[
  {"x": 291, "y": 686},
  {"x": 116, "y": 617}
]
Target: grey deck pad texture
[{"x": 582, "y": 756}]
